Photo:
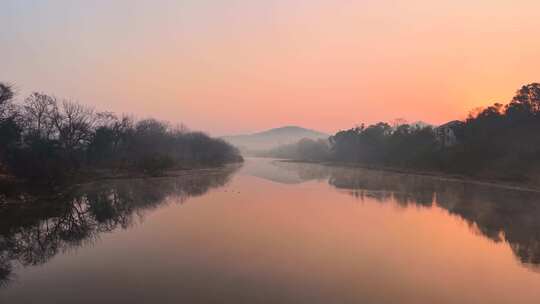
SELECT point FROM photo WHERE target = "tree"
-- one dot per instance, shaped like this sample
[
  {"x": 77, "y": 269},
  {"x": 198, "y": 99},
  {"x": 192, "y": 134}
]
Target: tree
[
  {"x": 39, "y": 112},
  {"x": 8, "y": 110},
  {"x": 526, "y": 102},
  {"x": 74, "y": 124},
  {"x": 10, "y": 131},
  {"x": 47, "y": 140},
  {"x": 6, "y": 93}
]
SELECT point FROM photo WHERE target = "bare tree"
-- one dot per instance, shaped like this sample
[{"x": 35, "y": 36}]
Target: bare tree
[
  {"x": 74, "y": 124},
  {"x": 39, "y": 111}
]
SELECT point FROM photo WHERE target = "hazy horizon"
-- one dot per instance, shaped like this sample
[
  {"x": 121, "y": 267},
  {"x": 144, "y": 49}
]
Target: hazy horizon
[{"x": 235, "y": 67}]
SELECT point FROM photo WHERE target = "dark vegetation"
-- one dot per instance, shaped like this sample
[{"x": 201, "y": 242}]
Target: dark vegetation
[
  {"x": 497, "y": 142},
  {"x": 44, "y": 139}
]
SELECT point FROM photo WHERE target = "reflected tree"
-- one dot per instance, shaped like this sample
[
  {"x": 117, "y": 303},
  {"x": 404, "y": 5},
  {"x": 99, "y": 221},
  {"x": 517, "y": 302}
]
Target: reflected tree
[
  {"x": 498, "y": 213},
  {"x": 34, "y": 228}
]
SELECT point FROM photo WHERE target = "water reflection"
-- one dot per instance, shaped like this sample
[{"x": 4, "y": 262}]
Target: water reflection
[
  {"x": 500, "y": 214},
  {"x": 33, "y": 229}
]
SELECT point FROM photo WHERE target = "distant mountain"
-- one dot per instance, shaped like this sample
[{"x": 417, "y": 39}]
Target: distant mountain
[{"x": 272, "y": 138}]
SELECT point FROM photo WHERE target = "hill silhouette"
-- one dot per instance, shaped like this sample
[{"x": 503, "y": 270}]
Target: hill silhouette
[{"x": 272, "y": 138}]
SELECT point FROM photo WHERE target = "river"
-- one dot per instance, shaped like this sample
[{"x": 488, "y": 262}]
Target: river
[{"x": 274, "y": 232}]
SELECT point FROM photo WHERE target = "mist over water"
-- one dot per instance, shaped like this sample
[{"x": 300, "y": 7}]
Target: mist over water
[{"x": 274, "y": 232}]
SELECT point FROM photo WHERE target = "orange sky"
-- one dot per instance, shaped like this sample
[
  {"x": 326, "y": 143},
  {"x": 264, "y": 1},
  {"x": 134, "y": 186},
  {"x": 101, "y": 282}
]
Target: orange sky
[{"x": 229, "y": 66}]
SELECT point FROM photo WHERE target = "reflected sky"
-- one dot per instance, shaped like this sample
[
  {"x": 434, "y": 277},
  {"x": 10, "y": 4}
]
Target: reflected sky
[{"x": 337, "y": 235}]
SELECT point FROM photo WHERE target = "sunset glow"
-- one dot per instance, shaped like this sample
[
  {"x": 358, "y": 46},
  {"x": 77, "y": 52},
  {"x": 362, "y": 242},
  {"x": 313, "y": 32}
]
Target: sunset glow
[{"x": 241, "y": 66}]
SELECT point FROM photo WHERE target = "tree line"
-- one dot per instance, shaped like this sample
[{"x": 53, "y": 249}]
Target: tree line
[
  {"x": 44, "y": 138},
  {"x": 501, "y": 141}
]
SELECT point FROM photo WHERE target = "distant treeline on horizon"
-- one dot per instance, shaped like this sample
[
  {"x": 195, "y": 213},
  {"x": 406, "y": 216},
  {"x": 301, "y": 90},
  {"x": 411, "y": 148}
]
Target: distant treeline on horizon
[
  {"x": 495, "y": 142},
  {"x": 45, "y": 139}
]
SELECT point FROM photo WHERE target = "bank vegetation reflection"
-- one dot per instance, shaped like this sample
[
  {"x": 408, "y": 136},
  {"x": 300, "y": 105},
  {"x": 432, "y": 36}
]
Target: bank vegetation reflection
[
  {"x": 500, "y": 214},
  {"x": 34, "y": 229}
]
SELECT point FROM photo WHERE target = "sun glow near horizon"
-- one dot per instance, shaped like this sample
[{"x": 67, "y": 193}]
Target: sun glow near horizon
[{"x": 239, "y": 66}]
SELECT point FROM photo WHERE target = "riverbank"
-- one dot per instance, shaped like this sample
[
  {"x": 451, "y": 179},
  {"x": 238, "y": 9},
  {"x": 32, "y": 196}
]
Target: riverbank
[
  {"x": 506, "y": 184},
  {"x": 13, "y": 191}
]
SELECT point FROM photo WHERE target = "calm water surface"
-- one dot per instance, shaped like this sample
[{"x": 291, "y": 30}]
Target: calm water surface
[{"x": 274, "y": 232}]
